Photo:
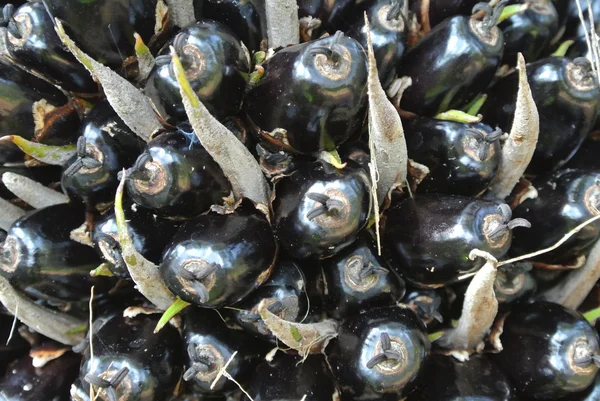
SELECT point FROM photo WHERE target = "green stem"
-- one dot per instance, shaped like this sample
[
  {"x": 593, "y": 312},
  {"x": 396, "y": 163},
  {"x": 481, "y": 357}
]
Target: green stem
[
  {"x": 474, "y": 107},
  {"x": 592, "y": 315},
  {"x": 563, "y": 48},
  {"x": 170, "y": 313},
  {"x": 458, "y": 116},
  {"x": 509, "y": 11}
]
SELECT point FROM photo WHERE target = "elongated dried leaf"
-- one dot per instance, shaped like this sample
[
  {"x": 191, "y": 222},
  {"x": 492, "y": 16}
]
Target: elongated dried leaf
[
  {"x": 53, "y": 324},
  {"x": 9, "y": 213},
  {"x": 479, "y": 308},
  {"x": 54, "y": 155},
  {"x": 576, "y": 286},
  {"x": 520, "y": 145},
  {"x": 385, "y": 129},
  {"x": 182, "y": 12},
  {"x": 3, "y": 43},
  {"x": 129, "y": 102},
  {"x": 307, "y": 339},
  {"x": 236, "y": 161},
  {"x": 283, "y": 25},
  {"x": 32, "y": 192},
  {"x": 144, "y": 273}
]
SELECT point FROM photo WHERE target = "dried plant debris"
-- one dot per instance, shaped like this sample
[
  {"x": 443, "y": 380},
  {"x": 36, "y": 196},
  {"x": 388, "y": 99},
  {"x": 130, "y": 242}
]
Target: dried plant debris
[
  {"x": 182, "y": 12},
  {"x": 480, "y": 308},
  {"x": 388, "y": 150},
  {"x": 9, "y": 213},
  {"x": 53, "y": 155},
  {"x": 53, "y": 324},
  {"x": 236, "y": 161},
  {"x": 144, "y": 273},
  {"x": 575, "y": 287},
  {"x": 520, "y": 145},
  {"x": 306, "y": 338},
  {"x": 145, "y": 59},
  {"x": 283, "y": 25},
  {"x": 134, "y": 108},
  {"x": 32, "y": 192}
]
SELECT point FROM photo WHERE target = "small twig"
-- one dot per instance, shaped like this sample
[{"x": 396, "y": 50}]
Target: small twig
[
  {"x": 518, "y": 150},
  {"x": 14, "y": 325},
  {"x": 9, "y": 213},
  {"x": 91, "y": 328},
  {"x": 32, "y": 192}
]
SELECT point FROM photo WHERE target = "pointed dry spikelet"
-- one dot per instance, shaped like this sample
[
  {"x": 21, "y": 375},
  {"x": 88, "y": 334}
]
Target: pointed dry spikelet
[
  {"x": 144, "y": 273},
  {"x": 145, "y": 59},
  {"x": 306, "y": 338},
  {"x": 32, "y": 192},
  {"x": 385, "y": 129},
  {"x": 53, "y": 324},
  {"x": 479, "y": 310},
  {"x": 132, "y": 106},
  {"x": 182, "y": 12},
  {"x": 9, "y": 213},
  {"x": 236, "y": 161},
  {"x": 283, "y": 25},
  {"x": 520, "y": 145},
  {"x": 49, "y": 154}
]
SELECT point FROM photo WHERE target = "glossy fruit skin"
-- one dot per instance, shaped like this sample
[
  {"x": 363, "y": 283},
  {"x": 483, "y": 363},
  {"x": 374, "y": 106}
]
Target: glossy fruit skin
[
  {"x": 449, "y": 67},
  {"x": 388, "y": 33},
  {"x": 475, "y": 379},
  {"x": 113, "y": 23},
  {"x": 567, "y": 114},
  {"x": 331, "y": 13},
  {"x": 326, "y": 234},
  {"x": 592, "y": 393},
  {"x": 439, "y": 10},
  {"x": 529, "y": 32},
  {"x": 359, "y": 340},
  {"x": 109, "y": 142},
  {"x": 287, "y": 285},
  {"x": 428, "y": 238},
  {"x": 565, "y": 199},
  {"x": 514, "y": 283},
  {"x": 33, "y": 44},
  {"x": 314, "y": 103},
  {"x": 149, "y": 235},
  {"x": 586, "y": 157},
  {"x": 42, "y": 259},
  {"x": 539, "y": 341},
  {"x": 460, "y": 162},
  {"x": 182, "y": 178},
  {"x": 432, "y": 306},
  {"x": 240, "y": 16},
  {"x": 24, "y": 382},
  {"x": 215, "y": 64},
  {"x": 240, "y": 246},
  {"x": 154, "y": 360},
  {"x": 19, "y": 91},
  {"x": 205, "y": 331},
  {"x": 347, "y": 292},
  {"x": 286, "y": 379}
]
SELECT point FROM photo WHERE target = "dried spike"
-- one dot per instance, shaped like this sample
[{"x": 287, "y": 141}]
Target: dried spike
[
  {"x": 129, "y": 102},
  {"x": 479, "y": 309},
  {"x": 144, "y": 273},
  {"x": 9, "y": 213},
  {"x": 53, "y": 155},
  {"x": 520, "y": 145},
  {"x": 283, "y": 25},
  {"x": 145, "y": 59},
  {"x": 236, "y": 161},
  {"x": 182, "y": 12},
  {"x": 52, "y": 324},
  {"x": 32, "y": 192}
]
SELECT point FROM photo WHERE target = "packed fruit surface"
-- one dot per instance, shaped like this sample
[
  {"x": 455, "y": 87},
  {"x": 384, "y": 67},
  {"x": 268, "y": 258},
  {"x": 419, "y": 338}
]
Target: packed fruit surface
[{"x": 299, "y": 200}]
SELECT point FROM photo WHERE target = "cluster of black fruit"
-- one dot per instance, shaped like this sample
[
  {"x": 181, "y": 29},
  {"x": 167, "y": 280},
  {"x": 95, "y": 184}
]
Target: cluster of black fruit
[{"x": 305, "y": 276}]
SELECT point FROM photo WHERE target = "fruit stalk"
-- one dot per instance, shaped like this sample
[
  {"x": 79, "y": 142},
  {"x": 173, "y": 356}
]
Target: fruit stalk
[
  {"x": 32, "y": 192},
  {"x": 520, "y": 146},
  {"x": 52, "y": 324}
]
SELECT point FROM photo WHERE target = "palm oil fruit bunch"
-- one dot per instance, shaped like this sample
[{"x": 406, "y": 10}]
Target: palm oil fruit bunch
[{"x": 299, "y": 200}]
